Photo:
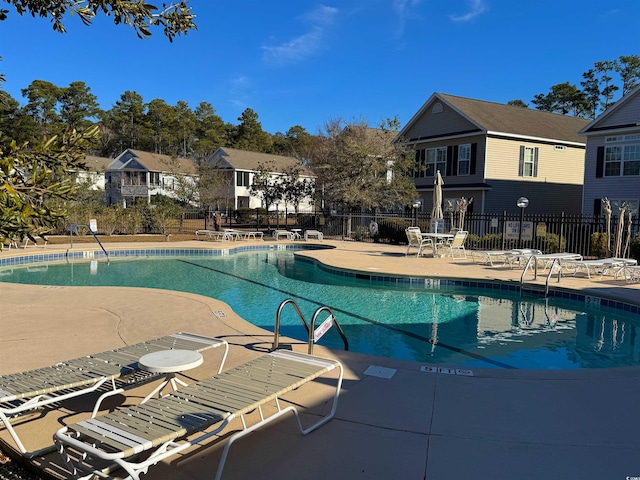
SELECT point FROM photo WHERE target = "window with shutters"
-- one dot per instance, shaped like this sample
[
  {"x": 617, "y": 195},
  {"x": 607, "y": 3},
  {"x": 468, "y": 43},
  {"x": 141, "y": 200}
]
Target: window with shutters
[
  {"x": 622, "y": 159},
  {"x": 528, "y": 162},
  {"x": 464, "y": 159},
  {"x": 429, "y": 160},
  {"x": 436, "y": 159}
]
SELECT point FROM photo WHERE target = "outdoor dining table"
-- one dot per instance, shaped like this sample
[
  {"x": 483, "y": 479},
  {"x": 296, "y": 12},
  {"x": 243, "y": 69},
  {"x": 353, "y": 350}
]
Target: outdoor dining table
[{"x": 437, "y": 237}]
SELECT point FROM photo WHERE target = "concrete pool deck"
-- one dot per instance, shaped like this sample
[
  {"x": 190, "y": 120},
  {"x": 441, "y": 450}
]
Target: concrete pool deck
[{"x": 496, "y": 424}]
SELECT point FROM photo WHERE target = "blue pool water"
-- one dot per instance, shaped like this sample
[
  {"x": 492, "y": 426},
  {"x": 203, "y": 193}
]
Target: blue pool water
[{"x": 453, "y": 326}]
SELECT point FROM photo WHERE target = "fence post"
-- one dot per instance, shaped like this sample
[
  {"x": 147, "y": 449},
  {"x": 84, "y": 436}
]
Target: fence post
[
  {"x": 504, "y": 225},
  {"x": 561, "y": 233}
]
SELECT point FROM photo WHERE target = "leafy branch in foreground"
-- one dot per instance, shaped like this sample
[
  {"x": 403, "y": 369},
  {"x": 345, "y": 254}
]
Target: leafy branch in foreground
[
  {"x": 36, "y": 183},
  {"x": 175, "y": 18}
]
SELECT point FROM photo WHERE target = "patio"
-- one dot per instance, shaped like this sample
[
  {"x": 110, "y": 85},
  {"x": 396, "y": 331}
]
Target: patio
[{"x": 496, "y": 424}]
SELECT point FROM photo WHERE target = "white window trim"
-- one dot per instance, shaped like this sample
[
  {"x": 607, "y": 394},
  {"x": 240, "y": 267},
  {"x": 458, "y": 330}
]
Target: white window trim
[
  {"x": 621, "y": 160},
  {"x": 462, "y": 147},
  {"x": 435, "y": 163}
]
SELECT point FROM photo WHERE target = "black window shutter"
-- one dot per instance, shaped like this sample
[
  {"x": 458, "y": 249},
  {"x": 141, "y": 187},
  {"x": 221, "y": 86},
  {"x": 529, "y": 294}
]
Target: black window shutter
[
  {"x": 535, "y": 162},
  {"x": 521, "y": 164},
  {"x": 597, "y": 206},
  {"x": 474, "y": 151},
  {"x": 599, "y": 162},
  {"x": 449, "y": 161},
  {"x": 454, "y": 161}
]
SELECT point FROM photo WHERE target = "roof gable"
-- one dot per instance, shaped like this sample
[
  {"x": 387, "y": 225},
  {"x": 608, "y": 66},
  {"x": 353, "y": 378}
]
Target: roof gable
[
  {"x": 152, "y": 162},
  {"x": 225, "y": 157},
  {"x": 496, "y": 118},
  {"x": 624, "y": 113},
  {"x": 97, "y": 164}
]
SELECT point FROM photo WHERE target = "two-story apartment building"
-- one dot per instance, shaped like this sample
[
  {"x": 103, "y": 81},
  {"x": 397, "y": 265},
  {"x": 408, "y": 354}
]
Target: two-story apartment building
[
  {"x": 612, "y": 162},
  {"x": 241, "y": 167},
  {"x": 135, "y": 175},
  {"x": 495, "y": 153},
  {"x": 94, "y": 173}
]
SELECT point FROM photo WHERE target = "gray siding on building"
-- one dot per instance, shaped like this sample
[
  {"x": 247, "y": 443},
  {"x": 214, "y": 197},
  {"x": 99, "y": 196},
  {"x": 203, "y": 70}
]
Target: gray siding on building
[
  {"x": 629, "y": 113},
  {"x": 544, "y": 198},
  {"x": 447, "y": 122},
  {"x": 613, "y": 188},
  {"x": 476, "y": 178}
]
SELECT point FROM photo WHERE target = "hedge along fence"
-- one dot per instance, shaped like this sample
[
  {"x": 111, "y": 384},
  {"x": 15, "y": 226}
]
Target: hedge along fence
[
  {"x": 580, "y": 234},
  {"x": 139, "y": 219}
]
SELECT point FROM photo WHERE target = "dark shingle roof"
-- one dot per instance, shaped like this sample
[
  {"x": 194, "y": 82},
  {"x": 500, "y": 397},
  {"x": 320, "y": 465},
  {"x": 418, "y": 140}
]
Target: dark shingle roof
[
  {"x": 501, "y": 118},
  {"x": 510, "y": 120},
  {"x": 155, "y": 162},
  {"x": 97, "y": 164},
  {"x": 246, "y": 160}
]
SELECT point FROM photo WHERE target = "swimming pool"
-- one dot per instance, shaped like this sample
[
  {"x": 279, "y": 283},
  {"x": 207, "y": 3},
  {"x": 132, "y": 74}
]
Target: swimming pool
[{"x": 453, "y": 326}]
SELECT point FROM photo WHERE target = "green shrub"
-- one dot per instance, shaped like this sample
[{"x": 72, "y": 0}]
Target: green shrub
[
  {"x": 248, "y": 215},
  {"x": 598, "y": 245},
  {"x": 554, "y": 243},
  {"x": 634, "y": 247},
  {"x": 109, "y": 218},
  {"x": 360, "y": 233},
  {"x": 391, "y": 230}
]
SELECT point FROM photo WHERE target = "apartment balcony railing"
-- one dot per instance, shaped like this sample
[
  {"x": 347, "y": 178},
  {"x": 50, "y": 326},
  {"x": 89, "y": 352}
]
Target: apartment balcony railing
[{"x": 134, "y": 190}]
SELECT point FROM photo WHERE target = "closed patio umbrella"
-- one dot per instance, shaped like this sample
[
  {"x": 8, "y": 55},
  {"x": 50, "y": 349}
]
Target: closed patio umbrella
[{"x": 436, "y": 213}]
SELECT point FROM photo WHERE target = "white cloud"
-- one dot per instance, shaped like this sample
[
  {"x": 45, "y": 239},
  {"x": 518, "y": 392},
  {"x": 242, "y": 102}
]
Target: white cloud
[
  {"x": 478, "y": 7},
  {"x": 239, "y": 91},
  {"x": 404, "y": 10},
  {"x": 305, "y": 45}
]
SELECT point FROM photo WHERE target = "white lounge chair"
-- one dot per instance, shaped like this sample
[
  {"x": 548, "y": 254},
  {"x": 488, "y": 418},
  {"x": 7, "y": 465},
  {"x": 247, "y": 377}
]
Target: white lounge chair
[
  {"x": 520, "y": 255},
  {"x": 23, "y": 392},
  {"x": 282, "y": 233},
  {"x": 489, "y": 256},
  {"x": 632, "y": 273},
  {"x": 160, "y": 428},
  {"x": 313, "y": 234},
  {"x": 211, "y": 234},
  {"x": 35, "y": 241},
  {"x": 599, "y": 267}
]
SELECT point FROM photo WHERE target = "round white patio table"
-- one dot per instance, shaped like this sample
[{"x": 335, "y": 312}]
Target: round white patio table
[{"x": 169, "y": 362}]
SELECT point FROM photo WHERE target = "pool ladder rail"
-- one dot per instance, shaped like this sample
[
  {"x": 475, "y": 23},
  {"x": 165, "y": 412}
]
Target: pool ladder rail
[
  {"x": 74, "y": 228},
  {"x": 314, "y": 333},
  {"x": 554, "y": 268}
]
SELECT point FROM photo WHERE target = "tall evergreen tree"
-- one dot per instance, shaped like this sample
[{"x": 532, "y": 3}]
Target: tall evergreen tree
[
  {"x": 127, "y": 119},
  {"x": 210, "y": 133},
  {"x": 77, "y": 105},
  {"x": 628, "y": 67},
  {"x": 159, "y": 119},
  {"x": 249, "y": 134},
  {"x": 42, "y": 106}
]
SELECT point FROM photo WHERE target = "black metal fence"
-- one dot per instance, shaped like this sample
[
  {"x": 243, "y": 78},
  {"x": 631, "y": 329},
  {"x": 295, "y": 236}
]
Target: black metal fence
[{"x": 583, "y": 234}]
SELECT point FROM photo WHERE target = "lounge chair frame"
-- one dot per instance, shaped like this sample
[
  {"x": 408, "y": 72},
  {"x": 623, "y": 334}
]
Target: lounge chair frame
[
  {"x": 215, "y": 235},
  {"x": 23, "y": 392},
  {"x": 599, "y": 267},
  {"x": 283, "y": 233},
  {"x": 313, "y": 234},
  {"x": 159, "y": 427}
]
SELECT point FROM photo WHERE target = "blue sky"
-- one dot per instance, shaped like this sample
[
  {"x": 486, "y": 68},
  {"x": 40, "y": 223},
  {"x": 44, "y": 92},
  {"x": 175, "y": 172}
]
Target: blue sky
[{"x": 305, "y": 63}]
